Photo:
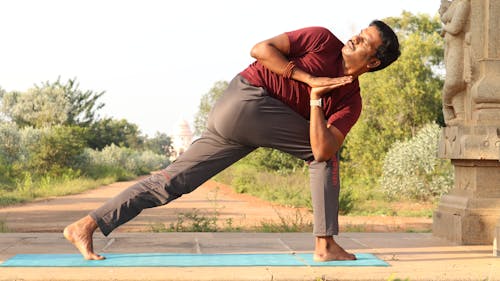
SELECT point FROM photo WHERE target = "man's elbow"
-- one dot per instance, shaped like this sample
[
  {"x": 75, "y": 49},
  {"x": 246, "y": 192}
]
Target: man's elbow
[
  {"x": 323, "y": 156},
  {"x": 256, "y": 51}
]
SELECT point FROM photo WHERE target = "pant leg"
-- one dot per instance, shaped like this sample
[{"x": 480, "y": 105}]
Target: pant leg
[
  {"x": 267, "y": 122},
  {"x": 206, "y": 157},
  {"x": 325, "y": 188}
]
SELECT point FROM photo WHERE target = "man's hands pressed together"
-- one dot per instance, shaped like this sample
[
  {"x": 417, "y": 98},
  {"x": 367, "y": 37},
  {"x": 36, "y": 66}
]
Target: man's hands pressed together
[{"x": 322, "y": 85}]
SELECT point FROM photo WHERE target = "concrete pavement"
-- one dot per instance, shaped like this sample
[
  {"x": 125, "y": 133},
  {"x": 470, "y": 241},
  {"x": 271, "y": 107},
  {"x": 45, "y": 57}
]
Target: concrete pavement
[{"x": 412, "y": 256}]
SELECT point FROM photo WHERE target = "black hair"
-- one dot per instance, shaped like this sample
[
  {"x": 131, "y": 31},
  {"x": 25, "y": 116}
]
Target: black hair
[{"x": 388, "y": 51}]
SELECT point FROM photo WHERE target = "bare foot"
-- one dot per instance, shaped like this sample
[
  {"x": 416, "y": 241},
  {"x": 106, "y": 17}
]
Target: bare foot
[
  {"x": 80, "y": 234},
  {"x": 328, "y": 250}
]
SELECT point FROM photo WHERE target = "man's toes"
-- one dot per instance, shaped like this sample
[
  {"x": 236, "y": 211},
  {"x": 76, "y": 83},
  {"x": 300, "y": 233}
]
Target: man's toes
[
  {"x": 97, "y": 257},
  {"x": 93, "y": 256}
]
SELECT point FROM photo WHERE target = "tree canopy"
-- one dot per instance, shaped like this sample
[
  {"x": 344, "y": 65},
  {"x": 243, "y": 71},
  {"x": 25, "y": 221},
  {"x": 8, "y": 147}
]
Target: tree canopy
[{"x": 50, "y": 104}]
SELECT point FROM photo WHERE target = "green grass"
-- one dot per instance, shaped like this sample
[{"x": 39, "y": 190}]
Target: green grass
[
  {"x": 354, "y": 228},
  {"x": 403, "y": 208},
  {"x": 30, "y": 190},
  {"x": 295, "y": 223},
  {"x": 293, "y": 190},
  {"x": 196, "y": 222}
]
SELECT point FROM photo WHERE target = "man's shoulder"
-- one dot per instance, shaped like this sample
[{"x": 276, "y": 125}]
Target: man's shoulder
[
  {"x": 317, "y": 35},
  {"x": 313, "y": 30}
]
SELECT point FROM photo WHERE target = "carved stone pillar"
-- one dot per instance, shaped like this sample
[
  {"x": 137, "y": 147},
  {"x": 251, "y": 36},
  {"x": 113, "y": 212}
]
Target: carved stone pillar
[{"x": 470, "y": 213}]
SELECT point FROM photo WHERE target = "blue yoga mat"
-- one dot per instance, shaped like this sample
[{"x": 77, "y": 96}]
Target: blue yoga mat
[{"x": 183, "y": 260}]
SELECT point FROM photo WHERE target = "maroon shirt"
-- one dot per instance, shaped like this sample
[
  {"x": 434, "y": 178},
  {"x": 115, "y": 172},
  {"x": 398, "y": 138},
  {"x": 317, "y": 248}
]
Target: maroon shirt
[{"x": 317, "y": 51}]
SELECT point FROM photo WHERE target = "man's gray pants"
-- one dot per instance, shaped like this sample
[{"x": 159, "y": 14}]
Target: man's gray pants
[{"x": 245, "y": 117}]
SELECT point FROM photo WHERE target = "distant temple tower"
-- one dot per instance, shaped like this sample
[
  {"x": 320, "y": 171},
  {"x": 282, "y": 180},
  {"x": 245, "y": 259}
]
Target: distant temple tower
[{"x": 181, "y": 139}]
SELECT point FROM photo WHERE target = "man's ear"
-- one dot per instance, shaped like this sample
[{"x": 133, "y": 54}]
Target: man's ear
[{"x": 373, "y": 63}]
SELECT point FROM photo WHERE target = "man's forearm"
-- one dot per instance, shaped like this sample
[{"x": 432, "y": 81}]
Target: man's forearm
[
  {"x": 276, "y": 61},
  {"x": 323, "y": 143}
]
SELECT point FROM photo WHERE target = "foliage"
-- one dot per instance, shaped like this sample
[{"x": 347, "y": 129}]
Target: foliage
[
  {"x": 41, "y": 162},
  {"x": 194, "y": 222},
  {"x": 347, "y": 200},
  {"x": 51, "y": 104},
  {"x": 268, "y": 159},
  {"x": 108, "y": 131},
  {"x": 44, "y": 134},
  {"x": 399, "y": 100},
  {"x": 412, "y": 170},
  {"x": 10, "y": 151},
  {"x": 160, "y": 144},
  {"x": 206, "y": 103},
  {"x": 57, "y": 150},
  {"x": 83, "y": 104},
  {"x": 28, "y": 189},
  {"x": 295, "y": 223},
  {"x": 36, "y": 107},
  {"x": 38, "y": 150},
  {"x": 290, "y": 189},
  {"x": 121, "y": 162},
  {"x": 10, "y": 139}
]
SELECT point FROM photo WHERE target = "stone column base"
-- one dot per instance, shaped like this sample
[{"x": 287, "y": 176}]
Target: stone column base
[{"x": 467, "y": 221}]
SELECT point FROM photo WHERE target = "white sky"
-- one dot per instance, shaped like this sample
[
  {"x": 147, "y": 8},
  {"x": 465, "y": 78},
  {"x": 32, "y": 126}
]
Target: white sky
[{"x": 155, "y": 59}]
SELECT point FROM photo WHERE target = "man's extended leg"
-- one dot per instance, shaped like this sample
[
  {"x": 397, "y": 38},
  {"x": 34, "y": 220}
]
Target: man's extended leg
[{"x": 205, "y": 157}]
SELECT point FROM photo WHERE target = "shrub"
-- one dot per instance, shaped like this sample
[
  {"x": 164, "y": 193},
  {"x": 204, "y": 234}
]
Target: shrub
[
  {"x": 412, "y": 170},
  {"x": 268, "y": 159},
  {"x": 10, "y": 140},
  {"x": 9, "y": 152},
  {"x": 346, "y": 200},
  {"x": 57, "y": 150},
  {"x": 121, "y": 162}
]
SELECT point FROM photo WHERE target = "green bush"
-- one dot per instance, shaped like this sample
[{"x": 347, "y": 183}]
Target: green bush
[
  {"x": 121, "y": 162},
  {"x": 10, "y": 148},
  {"x": 346, "y": 200},
  {"x": 412, "y": 170},
  {"x": 268, "y": 159},
  {"x": 10, "y": 140},
  {"x": 57, "y": 150}
]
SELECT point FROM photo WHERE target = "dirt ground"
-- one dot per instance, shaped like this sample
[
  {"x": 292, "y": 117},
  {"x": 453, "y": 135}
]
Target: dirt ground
[{"x": 211, "y": 200}]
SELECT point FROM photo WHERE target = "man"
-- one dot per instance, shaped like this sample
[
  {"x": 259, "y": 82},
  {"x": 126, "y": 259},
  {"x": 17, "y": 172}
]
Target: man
[{"x": 300, "y": 96}]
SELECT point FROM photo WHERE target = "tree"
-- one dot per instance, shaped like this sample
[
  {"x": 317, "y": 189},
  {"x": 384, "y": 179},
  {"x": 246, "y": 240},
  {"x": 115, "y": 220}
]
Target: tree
[
  {"x": 52, "y": 104},
  {"x": 109, "y": 131},
  {"x": 38, "y": 107},
  {"x": 159, "y": 144},
  {"x": 399, "y": 100},
  {"x": 83, "y": 104},
  {"x": 206, "y": 103}
]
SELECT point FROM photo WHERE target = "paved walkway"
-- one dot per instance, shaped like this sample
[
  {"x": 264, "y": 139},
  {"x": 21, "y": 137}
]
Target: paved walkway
[{"x": 412, "y": 256}]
